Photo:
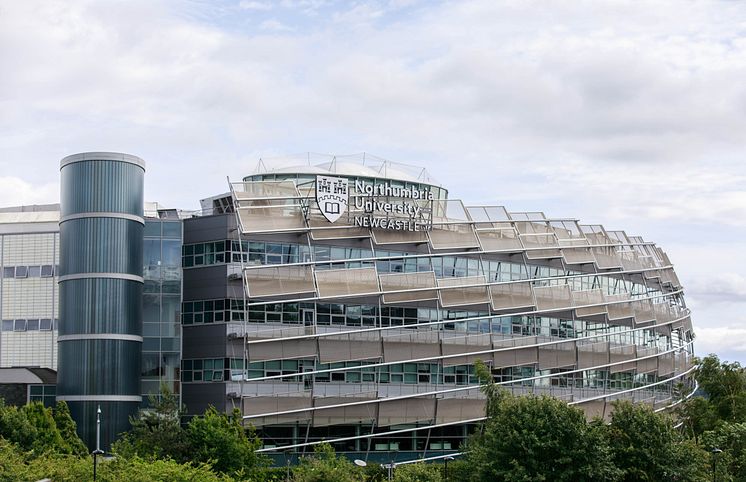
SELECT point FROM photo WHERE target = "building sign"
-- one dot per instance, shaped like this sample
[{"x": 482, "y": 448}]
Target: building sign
[
  {"x": 332, "y": 196},
  {"x": 383, "y": 206}
]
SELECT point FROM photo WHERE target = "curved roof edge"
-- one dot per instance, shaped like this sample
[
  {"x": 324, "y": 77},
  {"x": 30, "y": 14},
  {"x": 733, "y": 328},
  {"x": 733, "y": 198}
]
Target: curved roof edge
[{"x": 361, "y": 165}]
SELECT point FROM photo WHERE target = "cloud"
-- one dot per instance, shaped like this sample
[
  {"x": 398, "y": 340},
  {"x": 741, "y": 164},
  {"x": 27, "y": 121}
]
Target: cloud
[
  {"x": 619, "y": 113},
  {"x": 254, "y": 5},
  {"x": 17, "y": 192}
]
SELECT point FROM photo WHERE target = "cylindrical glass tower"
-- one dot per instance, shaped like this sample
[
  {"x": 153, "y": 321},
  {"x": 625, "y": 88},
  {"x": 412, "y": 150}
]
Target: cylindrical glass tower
[{"x": 100, "y": 286}]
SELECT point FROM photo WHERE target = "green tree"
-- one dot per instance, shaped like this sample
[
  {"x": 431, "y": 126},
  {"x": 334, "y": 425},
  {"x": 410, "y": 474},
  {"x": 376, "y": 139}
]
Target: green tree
[
  {"x": 222, "y": 440},
  {"x": 533, "y": 438},
  {"x": 419, "y": 472},
  {"x": 47, "y": 437},
  {"x": 68, "y": 429},
  {"x": 731, "y": 439},
  {"x": 325, "y": 466},
  {"x": 16, "y": 427},
  {"x": 156, "y": 432},
  {"x": 645, "y": 446},
  {"x": 698, "y": 416},
  {"x": 725, "y": 385}
]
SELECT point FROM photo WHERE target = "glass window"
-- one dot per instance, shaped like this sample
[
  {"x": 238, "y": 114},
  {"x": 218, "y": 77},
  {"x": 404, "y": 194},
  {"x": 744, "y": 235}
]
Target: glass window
[
  {"x": 45, "y": 324},
  {"x": 152, "y": 229},
  {"x": 20, "y": 325},
  {"x": 33, "y": 325},
  {"x": 7, "y": 325},
  {"x": 170, "y": 309},
  {"x": 21, "y": 271},
  {"x": 172, "y": 229},
  {"x": 34, "y": 271},
  {"x": 151, "y": 308},
  {"x": 46, "y": 271},
  {"x": 9, "y": 272}
]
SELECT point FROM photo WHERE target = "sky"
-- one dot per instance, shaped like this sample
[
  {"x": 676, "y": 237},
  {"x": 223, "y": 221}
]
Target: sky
[{"x": 625, "y": 113}]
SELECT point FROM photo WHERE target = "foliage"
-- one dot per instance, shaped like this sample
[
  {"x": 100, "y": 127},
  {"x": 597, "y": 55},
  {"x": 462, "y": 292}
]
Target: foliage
[
  {"x": 213, "y": 438},
  {"x": 157, "y": 432},
  {"x": 222, "y": 439},
  {"x": 536, "y": 438},
  {"x": 419, "y": 472},
  {"x": 67, "y": 427},
  {"x": 645, "y": 445},
  {"x": 16, "y": 465},
  {"x": 35, "y": 427},
  {"x": 731, "y": 439},
  {"x": 725, "y": 385},
  {"x": 698, "y": 416},
  {"x": 325, "y": 466}
]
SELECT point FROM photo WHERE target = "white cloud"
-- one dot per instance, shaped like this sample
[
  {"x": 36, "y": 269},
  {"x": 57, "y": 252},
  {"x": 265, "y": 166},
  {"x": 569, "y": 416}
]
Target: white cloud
[
  {"x": 254, "y": 5},
  {"x": 627, "y": 114}
]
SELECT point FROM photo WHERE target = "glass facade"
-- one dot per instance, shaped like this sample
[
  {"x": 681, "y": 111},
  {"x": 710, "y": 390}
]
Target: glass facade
[
  {"x": 161, "y": 307},
  {"x": 100, "y": 287}
]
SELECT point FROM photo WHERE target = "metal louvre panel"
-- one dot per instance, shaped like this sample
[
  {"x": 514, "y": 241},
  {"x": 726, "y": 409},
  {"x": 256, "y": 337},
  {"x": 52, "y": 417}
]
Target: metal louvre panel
[
  {"x": 620, "y": 354},
  {"x": 452, "y": 292},
  {"x": 341, "y": 282},
  {"x": 499, "y": 240},
  {"x": 607, "y": 258},
  {"x": 382, "y": 237},
  {"x": 593, "y": 354},
  {"x": 465, "y": 344},
  {"x": 252, "y": 191},
  {"x": 349, "y": 347},
  {"x": 409, "y": 410},
  {"x": 663, "y": 312},
  {"x": 456, "y": 409},
  {"x": 512, "y": 296},
  {"x": 666, "y": 364},
  {"x": 453, "y": 236},
  {"x": 649, "y": 364},
  {"x": 279, "y": 280},
  {"x": 259, "y": 405},
  {"x": 282, "y": 349},
  {"x": 653, "y": 274},
  {"x": 277, "y": 218},
  {"x": 577, "y": 255},
  {"x": 345, "y": 414},
  {"x": 643, "y": 310},
  {"x": 537, "y": 235},
  {"x": 341, "y": 229},
  {"x": 556, "y": 356},
  {"x": 630, "y": 261},
  {"x": 408, "y": 281},
  {"x": 552, "y": 297},
  {"x": 589, "y": 297},
  {"x": 619, "y": 311},
  {"x": 516, "y": 356},
  {"x": 411, "y": 345},
  {"x": 594, "y": 409}
]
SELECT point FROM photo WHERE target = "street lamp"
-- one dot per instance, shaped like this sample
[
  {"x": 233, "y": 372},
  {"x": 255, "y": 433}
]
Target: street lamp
[
  {"x": 715, "y": 453},
  {"x": 445, "y": 468},
  {"x": 98, "y": 450}
]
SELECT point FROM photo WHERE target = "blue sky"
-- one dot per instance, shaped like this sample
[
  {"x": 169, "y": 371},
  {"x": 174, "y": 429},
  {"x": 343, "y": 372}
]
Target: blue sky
[{"x": 623, "y": 113}]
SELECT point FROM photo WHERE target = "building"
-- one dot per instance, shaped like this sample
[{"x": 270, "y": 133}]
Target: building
[{"x": 346, "y": 301}]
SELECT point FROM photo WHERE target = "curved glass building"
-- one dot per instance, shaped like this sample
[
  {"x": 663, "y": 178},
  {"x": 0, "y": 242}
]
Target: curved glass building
[
  {"x": 101, "y": 290},
  {"x": 347, "y": 302}
]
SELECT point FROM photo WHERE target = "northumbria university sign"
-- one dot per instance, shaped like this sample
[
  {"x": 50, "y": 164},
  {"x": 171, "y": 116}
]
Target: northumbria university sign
[{"x": 382, "y": 206}]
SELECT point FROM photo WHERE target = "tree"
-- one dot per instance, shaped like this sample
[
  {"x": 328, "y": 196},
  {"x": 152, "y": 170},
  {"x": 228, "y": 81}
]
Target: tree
[
  {"x": 68, "y": 429},
  {"x": 645, "y": 446},
  {"x": 222, "y": 439},
  {"x": 325, "y": 466},
  {"x": 725, "y": 385},
  {"x": 156, "y": 432},
  {"x": 419, "y": 472},
  {"x": 698, "y": 416},
  {"x": 533, "y": 438},
  {"x": 731, "y": 439}
]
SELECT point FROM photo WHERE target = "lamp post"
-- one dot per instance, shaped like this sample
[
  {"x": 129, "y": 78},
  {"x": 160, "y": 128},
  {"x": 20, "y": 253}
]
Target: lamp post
[
  {"x": 715, "y": 452},
  {"x": 445, "y": 468},
  {"x": 98, "y": 450}
]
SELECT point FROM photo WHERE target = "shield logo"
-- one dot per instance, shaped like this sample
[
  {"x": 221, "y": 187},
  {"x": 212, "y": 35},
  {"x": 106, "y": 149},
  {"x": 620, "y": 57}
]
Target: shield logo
[{"x": 331, "y": 196}]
